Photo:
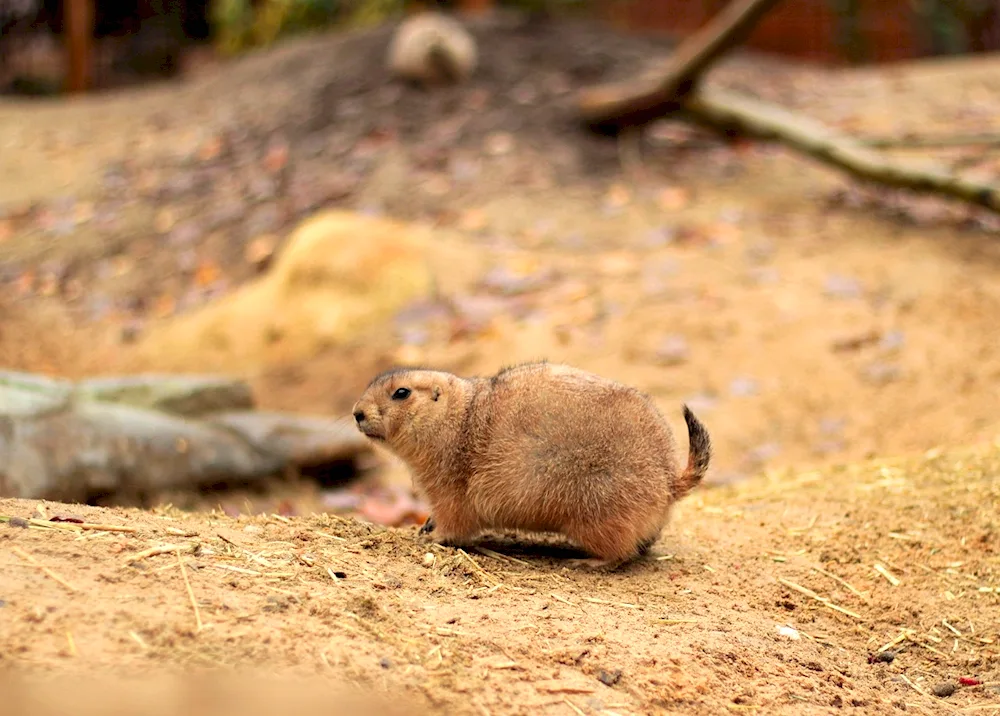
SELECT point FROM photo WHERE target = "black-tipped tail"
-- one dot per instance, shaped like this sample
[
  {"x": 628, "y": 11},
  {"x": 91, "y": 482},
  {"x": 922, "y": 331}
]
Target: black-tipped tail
[{"x": 699, "y": 454}]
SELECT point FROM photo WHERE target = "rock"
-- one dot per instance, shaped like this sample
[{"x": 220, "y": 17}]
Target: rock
[
  {"x": 789, "y": 632},
  {"x": 944, "y": 689},
  {"x": 609, "y": 678},
  {"x": 140, "y": 434},
  {"x": 339, "y": 275},
  {"x": 185, "y": 395},
  {"x": 432, "y": 48},
  {"x": 883, "y": 657}
]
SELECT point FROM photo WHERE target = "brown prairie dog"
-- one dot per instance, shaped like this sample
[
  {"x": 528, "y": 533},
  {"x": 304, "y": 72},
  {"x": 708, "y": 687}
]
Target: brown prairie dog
[{"x": 538, "y": 447}]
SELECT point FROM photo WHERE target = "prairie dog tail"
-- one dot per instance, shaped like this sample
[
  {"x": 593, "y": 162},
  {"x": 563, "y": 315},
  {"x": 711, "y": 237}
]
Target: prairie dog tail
[{"x": 699, "y": 455}]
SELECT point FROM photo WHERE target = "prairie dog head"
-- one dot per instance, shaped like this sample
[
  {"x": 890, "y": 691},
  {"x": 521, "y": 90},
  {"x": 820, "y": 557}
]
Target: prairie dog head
[{"x": 409, "y": 410}]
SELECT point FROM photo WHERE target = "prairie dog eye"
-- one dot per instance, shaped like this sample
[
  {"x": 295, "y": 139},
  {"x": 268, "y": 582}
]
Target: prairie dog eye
[{"x": 401, "y": 394}]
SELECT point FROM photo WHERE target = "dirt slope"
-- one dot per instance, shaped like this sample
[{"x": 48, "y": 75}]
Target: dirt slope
[{"x": 510, "y": 630}]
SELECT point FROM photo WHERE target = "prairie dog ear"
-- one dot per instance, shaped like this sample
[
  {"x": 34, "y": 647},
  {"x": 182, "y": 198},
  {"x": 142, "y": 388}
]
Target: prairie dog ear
[{"x": 435, "y": 393}]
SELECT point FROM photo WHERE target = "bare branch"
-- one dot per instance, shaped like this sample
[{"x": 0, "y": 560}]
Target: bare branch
[
  {"x": 731, "y": 112},
  {"x": 611, "y": 107}
]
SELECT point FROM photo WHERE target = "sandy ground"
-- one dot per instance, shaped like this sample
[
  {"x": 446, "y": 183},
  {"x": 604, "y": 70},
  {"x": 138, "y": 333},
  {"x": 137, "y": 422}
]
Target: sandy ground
[
  {"x": 807, "y": 322},
  {"x": 777, "y": 595}
]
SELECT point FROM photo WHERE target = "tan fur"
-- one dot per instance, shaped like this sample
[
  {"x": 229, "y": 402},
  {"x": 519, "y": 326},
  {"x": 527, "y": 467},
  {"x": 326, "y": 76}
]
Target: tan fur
[{"x": 539, "y": 447}]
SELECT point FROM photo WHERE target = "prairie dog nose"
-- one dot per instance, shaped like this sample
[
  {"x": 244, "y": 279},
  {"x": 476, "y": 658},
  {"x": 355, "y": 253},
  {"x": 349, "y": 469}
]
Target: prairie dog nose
[{"x": 359, "y": 415}]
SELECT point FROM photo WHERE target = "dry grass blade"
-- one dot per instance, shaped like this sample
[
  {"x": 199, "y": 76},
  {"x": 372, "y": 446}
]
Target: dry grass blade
[
  {"x": 898, "y": 640},
  {"x": 187, "y": 585},
  {"x": 822, "y": 600},
  {"x": 843, "y": 582},
  {"x": 190, "y": 547},
  {"x": 889, "y": 576},
  {"x": 31, "y": 560},
  {"x": 950, "y": 628},
  {"x": 72, "y": 526},
  {"x": 479, "y": 570},
  {"x": 502, "y": 557}
]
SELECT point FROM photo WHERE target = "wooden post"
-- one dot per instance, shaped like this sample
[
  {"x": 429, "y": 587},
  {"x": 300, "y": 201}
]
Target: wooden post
[{"x": 79, "y": 28}]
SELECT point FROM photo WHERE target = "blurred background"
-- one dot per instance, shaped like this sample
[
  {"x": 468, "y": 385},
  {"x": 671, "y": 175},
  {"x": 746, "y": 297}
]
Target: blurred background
[
  {"x": 159, "y": 157},
  {"x": 84, "y": 44}
]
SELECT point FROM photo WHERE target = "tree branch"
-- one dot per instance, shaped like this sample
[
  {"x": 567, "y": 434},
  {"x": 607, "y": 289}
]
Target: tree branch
[
  {"x": 931, "y": 141},
  {"x": 611, "y": 107},
  {"x": 731, "y": 112}
]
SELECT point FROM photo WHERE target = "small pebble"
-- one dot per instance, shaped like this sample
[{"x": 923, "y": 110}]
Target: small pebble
[
  {"x": 19, "y": 522},
  {"x": 842, "y": 287},
  {"x": 944, "y": 689},
  {"x": 883, "y": 657},
  {"x": 881, "y": 373},
  {"x": 673, "y": 350},
  {"x": 609, "y": 678},
  {"x": 743, "y": 387},
  {"x": 385, "y": 663},
  {"x": 788, "y": 632}
]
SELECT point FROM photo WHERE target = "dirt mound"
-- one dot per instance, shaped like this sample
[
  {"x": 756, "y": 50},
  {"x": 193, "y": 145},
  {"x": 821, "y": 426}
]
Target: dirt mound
[
  {"x": 339, "y": 275},
  {"x": 867, "y": 588}
]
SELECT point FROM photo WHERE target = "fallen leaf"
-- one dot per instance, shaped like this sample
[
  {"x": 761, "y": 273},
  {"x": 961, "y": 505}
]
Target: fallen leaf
[
  {"x": 618, "y": 196},
  {"x": 472, "y": 220},
  {"x": 673, "y": 198},
  {"x": 164, "y": 221},
  {"x": 206, "y": 274},
  {"x": 276, "y": 157},
  {"x": 210, "y": 149},
  {"x": 66, "y": 517},
  {"x": 26, "y": 283},
  {"x": 164, "y": 306},
  {"x": 259, "y": 251},
  {"x": 499, "y": 143}
]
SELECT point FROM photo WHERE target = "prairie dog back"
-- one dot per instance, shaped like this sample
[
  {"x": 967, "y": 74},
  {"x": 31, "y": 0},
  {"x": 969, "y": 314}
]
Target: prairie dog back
[{"x": 538, "y": 447}]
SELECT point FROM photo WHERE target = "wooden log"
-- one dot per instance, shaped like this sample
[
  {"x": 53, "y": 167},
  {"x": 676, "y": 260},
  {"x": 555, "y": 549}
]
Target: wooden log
[
  {"x": 731, "y": 112},
  {"x": 612, "y": 107}
]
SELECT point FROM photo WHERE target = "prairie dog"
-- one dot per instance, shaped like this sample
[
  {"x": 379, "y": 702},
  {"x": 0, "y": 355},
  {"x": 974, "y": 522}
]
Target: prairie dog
[
  {"x": 538, "y": 447},
  {"x": 432, "y": 48}
]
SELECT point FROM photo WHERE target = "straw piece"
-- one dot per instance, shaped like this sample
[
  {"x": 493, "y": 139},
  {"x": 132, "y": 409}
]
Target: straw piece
[{"x": 28, "y": 558}]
